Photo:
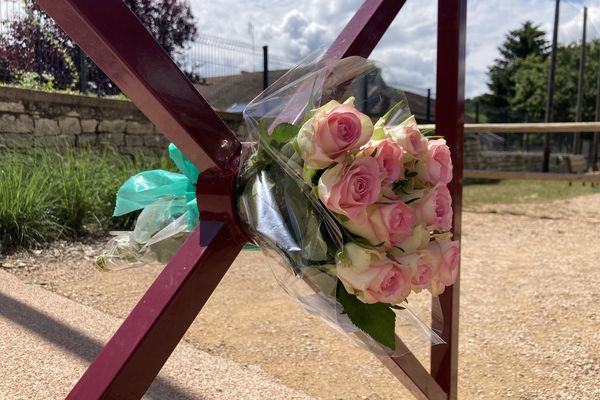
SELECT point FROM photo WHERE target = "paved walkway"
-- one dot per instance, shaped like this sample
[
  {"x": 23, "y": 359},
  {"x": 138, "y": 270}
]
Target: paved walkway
[{"x": 47, "y": 341}]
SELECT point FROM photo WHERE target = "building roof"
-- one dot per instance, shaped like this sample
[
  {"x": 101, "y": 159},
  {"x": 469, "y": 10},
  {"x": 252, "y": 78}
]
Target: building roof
[{"x": 232, "y": 92}]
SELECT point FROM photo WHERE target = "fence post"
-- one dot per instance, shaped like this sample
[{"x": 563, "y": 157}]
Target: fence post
[
  {"x": 265, "y": 67},
  {"x": 82, "y": 71},
  {"x": 550, "y": 94},
  {"x": 428, "y": 119},
  {"x": 476, "y": 112},
  {"x": 580, "y": 86}
]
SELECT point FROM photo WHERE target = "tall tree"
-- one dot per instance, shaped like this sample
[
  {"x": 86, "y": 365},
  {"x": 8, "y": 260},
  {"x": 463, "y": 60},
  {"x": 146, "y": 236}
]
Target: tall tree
[
  {"x": 529, "y": 40},
  {"x": 36, "y": 44}
]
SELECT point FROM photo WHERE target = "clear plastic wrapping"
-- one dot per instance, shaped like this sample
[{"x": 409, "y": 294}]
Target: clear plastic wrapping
[{"x": 334, "y": 166}]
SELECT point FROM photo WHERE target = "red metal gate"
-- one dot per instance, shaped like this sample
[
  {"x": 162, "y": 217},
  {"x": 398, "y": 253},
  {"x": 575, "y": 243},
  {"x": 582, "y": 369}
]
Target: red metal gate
[{"x": 119, "y": 44}]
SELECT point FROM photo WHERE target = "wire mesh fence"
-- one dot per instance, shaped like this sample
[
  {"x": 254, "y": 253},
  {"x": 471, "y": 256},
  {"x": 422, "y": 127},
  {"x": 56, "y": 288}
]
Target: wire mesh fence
[{"x": 34, "y": 53}]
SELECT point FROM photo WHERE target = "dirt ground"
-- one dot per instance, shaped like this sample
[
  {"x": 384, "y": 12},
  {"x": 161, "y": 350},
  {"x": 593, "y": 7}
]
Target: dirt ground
[{"x": 529, "y": 317}]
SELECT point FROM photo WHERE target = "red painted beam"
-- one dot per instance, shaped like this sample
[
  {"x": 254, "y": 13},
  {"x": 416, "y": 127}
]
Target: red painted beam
[
  {"x": 449, "y": 119},
  {"x": 120, "y": 45},
  {"x": 360, "y": 36},
  {"x": 130, "y": 361}
]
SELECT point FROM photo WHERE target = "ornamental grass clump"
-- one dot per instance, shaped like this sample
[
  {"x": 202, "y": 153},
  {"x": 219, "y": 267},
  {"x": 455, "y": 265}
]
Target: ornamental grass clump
[
  {"x": 28, "y": 210},
  {"x": 50, "y": 194}
]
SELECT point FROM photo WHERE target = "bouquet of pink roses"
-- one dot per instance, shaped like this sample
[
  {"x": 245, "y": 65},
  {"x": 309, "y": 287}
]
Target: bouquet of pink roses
[{"x": 359, "y": 210}]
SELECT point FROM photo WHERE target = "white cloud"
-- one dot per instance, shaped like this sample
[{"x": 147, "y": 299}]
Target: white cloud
[{"x": 294, "y": 28}]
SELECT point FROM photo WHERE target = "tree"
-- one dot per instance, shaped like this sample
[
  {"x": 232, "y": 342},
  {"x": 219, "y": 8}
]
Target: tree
[
  {"x": 528, "y": 40},
  {"x": 36, "y": 44},
  {"x": 530, "y": 78}
]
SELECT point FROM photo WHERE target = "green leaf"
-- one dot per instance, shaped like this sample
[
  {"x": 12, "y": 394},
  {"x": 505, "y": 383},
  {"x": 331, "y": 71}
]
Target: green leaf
[
  {"x": 284, "y": 133},
  {"x": 377, "y": 320},
  {"x": 308, "y": 174},
  {"x": 378, "y": 131}
]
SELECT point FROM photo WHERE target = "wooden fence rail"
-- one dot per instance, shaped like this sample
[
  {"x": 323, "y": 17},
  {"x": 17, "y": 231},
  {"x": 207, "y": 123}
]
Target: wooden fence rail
[
  {"x": 526, "y": 128},
  {"x": 542, "y": 127}
]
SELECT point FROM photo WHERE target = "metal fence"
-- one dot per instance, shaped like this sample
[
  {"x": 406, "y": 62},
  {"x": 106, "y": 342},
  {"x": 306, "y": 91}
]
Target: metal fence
[{"x": 30, "y": 57}]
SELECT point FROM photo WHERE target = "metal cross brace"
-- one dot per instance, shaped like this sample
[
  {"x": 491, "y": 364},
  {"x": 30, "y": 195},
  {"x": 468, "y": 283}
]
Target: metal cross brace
[{"x": 120, "y": 45}]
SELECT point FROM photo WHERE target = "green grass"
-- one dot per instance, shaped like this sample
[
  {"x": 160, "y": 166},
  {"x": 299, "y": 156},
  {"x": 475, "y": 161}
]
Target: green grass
[
  {"x": 49, "y": 195},
  {"x": 523, "y": 191}
]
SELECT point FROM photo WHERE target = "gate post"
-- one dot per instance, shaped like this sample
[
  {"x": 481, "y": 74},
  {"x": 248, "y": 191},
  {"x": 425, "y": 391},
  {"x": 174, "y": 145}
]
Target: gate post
[{"x": 449, "y": 119}]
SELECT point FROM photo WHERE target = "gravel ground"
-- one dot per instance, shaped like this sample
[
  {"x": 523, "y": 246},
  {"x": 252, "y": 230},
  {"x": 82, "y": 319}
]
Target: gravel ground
[
  {"x": 529, "y": 318},
  {"x": 48, "y": 341}
]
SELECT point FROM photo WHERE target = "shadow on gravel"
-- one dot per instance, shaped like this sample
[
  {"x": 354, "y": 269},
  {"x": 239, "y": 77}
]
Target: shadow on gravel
[{"x": 75, "y": 342}]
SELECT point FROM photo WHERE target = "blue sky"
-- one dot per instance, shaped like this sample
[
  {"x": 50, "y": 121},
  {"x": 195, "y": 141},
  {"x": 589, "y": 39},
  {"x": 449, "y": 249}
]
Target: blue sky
[{"x": 293, "y": 28}]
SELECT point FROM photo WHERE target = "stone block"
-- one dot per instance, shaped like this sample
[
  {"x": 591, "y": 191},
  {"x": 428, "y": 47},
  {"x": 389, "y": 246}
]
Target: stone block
[
  {"x": 8, "y": 124},
  {"x": 112, "y": 139},
  {"x": 112, "y": 126},
  {"x": 24, "y": 124},
  {"x": 69, "y": 126},
  {"x": 134, "y": 140},
  {"x": 156, "y": 141},
  {"x": 45, "y": 126},
  {"x": 89, "y": 125},
  {"x": 140, "y": 128},
  {"x": 13, "y": 107}
]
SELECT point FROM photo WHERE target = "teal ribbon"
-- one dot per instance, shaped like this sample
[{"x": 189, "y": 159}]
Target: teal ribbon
[{"x": 147, "y": 187}]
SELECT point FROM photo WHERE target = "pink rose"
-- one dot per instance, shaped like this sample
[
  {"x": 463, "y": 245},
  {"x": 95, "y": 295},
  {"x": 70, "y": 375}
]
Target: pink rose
[
  {"x": 333, "y": 131},
  {"x": 424, "y": 269},
  {"x": 422, "y": 277},
  {"x": 373, "y": 277},
  {"x": 437, "y": 166},
  {"x": 349, "y": 189},
  {"x": 410, "y": 138},
  {"x": 386, "y": 224},
  {"x": 450, "y": 252},
  {"x": 434, "y": 210},
  {"x": 445, "y": 254},
  {"x": 389, "y": 155}
]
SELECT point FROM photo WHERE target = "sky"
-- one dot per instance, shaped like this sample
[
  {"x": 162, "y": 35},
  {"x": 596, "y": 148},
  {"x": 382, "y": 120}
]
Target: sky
[{"x": 294, "y": 28}]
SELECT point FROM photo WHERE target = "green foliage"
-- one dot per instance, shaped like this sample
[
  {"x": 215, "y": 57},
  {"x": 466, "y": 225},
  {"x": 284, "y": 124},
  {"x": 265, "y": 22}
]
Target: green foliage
[
  {"x": 48, "y": 195},
  {"x": 518, "y": 80},
  {"x": 33, "y": 80},
  {"x": 378, "y": 320},
  {"x": 282, "y": 134},
  {"x": 36, "y": 44},
  {"x": 528, "y": 40},
  {"x": 530, "y": 80}
]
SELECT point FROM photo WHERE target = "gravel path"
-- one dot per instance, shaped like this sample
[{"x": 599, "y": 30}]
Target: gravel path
[
  {"x": 48, "y": 341},
  {"x": 529, "y": 322}
]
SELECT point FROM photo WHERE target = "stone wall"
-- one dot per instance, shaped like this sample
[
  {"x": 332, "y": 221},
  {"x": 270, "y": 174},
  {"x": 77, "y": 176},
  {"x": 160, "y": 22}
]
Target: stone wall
[
  {"x": 30, "y": 118},
  {"x": 476, "y": 157}
]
